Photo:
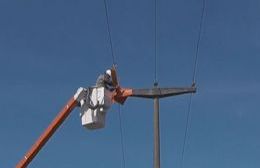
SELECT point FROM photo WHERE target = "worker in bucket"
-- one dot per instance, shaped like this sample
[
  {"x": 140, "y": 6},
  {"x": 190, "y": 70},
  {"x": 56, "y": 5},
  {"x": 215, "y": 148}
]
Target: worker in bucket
[{"x": 105, "y": 80}]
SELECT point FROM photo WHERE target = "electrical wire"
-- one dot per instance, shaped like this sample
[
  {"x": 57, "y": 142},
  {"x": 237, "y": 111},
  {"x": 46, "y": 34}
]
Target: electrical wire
[
  {"x": 114, "y": 63},
  {"x": 188, "y": 118},
  {"x": 155, "y": 43},
  {"x": 121, "y": 137},
  {"x": 198, "y": 43},
  {"x": 109, "y": 33}
]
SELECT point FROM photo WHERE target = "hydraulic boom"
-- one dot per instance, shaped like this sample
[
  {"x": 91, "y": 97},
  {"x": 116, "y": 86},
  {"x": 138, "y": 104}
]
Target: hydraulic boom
[{"x": 45, "y": 136}]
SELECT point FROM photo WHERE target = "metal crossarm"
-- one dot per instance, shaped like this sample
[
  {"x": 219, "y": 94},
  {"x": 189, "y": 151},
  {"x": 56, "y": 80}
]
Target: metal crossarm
[{"x": 162, "y": 92}]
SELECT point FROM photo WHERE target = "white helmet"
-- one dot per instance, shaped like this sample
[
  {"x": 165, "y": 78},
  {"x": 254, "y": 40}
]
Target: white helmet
[{"x": 108, "y": 72}]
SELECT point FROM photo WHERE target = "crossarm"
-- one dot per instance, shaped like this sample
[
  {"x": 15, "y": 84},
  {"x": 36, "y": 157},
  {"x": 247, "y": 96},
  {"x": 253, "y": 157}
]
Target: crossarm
[
  {"x": 121, "y": 94},
  {"x": 162, "y": 92}
]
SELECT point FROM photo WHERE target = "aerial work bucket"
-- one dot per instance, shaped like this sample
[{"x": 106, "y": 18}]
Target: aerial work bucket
[{"x": 95, "y": 107}]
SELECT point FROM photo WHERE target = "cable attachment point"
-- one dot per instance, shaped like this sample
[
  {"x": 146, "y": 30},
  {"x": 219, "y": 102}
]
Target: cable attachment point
[{"x": 193, "y": 84}]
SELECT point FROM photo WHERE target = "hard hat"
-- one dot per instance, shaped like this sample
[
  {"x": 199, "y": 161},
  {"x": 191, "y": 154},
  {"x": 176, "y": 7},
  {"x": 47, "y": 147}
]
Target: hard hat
[{"x": 108, "y": 72}]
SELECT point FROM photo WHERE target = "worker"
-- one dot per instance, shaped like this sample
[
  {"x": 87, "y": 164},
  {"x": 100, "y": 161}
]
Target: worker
[{"x": 105, "y": 80}]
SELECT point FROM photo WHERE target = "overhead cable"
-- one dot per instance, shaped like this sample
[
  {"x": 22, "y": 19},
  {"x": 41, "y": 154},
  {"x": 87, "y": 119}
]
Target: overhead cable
[
  {"x": 121, "y": 137},
  {"x": 188, "y": 118},
  {"x": 198, "y": 43},
  {"x": 109, "y": 33},
  {"x": 114, "y": 63},
  {"x": 155, "y": 43}
]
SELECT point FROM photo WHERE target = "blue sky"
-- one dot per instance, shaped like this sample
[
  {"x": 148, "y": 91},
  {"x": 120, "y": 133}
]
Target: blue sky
[{"x": 50, "y": 48}]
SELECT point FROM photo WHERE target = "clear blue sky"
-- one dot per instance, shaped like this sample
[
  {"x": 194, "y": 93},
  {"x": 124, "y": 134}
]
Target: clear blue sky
[{"x": 50, "y": 48}]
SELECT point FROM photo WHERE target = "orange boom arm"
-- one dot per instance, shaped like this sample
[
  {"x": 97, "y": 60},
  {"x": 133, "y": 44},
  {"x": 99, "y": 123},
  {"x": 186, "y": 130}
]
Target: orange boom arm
[{"x": 63, "y": 114}]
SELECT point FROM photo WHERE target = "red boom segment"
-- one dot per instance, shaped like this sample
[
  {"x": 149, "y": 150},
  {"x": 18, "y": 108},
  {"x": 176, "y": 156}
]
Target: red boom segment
[{"x": 62, "y": 115}]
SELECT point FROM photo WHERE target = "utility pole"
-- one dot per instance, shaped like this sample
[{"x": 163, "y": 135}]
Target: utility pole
[
  {"x": 156, "y": 93},
  {"x": 156, "y": 123}
]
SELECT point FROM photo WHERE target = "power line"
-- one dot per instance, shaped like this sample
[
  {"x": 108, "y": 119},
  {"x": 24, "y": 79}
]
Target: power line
[
  {"x": 109, "y": 34},
  {"x": 155, "y": 42},
  {"x": 198, "y": 43},
  {"x": 121, "y": 137},
  {"x": 113, "y": 61},
  {"x": 188, "y": 118}
]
